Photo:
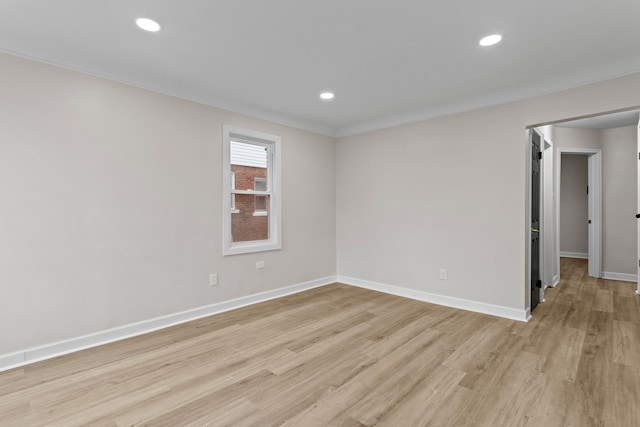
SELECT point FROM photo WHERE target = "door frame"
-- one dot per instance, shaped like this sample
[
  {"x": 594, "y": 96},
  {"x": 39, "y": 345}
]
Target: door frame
[
  {"x": 550, "y": 268},
  {"x": 549, "y": 271},
  {"x": 638, "y": 211},
  {"x": 541, "y": 224},
  {"x": 595, "y": 205}
]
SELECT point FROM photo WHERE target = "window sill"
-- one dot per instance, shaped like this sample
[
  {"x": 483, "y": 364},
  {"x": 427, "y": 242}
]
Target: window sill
[
  {"x": 261, "y": 213},
  {"x": 253, "y": 246},
  {"x": 235, "y": 210}
]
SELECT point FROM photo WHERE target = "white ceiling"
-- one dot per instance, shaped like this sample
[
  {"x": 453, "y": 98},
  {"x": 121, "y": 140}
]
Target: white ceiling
[{"x": 388, "y": 61}]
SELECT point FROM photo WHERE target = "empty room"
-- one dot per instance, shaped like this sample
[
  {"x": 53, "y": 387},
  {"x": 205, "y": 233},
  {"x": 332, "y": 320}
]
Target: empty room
[{"x": 337, "y": 213}]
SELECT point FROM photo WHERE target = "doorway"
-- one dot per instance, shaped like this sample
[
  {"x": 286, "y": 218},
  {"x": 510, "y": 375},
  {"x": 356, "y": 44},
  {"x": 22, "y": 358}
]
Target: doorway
[
  {"x": 594, "y": 206},
  {"x": 610, "y": 256}
]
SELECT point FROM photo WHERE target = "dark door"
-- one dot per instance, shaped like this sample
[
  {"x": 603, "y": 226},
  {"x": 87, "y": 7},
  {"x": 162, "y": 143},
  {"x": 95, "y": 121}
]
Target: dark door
[{"x": 536, "y": 156}]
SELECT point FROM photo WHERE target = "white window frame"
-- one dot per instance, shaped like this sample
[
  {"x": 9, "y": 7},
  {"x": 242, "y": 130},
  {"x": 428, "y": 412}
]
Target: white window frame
[
  {"x": 233, "y": 196},
  {"x": 274, "y": 191},
  {"x": 256, "y": 211}
]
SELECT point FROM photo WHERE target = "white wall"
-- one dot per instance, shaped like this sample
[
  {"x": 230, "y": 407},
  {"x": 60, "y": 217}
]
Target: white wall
[
  {"x": 452, "y": 193},
  {"x": 574, "y": 206},
  {"x": 619, "y": 200},
  {"x": 110, "y": 207},
  {"x": 577, "y": 138}
]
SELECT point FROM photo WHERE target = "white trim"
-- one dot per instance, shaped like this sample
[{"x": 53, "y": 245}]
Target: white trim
[
  {"x": 233, "y": 196},
  {"x": 459, "y": 303},
  {"x": 12, "y": 360},
  {"x": 555, "y": 281},
  {"x": 527, "y": 218},
  {"x": 619, "y": 276},
  {"x": 580, "y": 255},
  {"x": 48, "y": 351},
  {"x": 542, "y": 226},
  {"x": 595, "y": 214},
  {"x": 251, "y": 192},
  {"x": 546, "y": 216},
  {"x": 638, "y": 205}
]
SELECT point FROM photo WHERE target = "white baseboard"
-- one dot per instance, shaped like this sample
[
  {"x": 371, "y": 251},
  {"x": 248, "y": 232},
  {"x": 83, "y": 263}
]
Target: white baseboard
[
  {"x": 48, "y": 351},
  {"x": 554, "y": 281},
  {"x": 574, "y": 255},
  {"x": 619, "y": 276},
  {"x": 463, "y": 304}
]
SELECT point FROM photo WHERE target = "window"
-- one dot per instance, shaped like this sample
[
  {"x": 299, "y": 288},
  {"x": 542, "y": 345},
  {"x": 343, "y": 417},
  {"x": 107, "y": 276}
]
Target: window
[
  {"x": 259, "y": 202},
  {"x": 251, "y": 193}
]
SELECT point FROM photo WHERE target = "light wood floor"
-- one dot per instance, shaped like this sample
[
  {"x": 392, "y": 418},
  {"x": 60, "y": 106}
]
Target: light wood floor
[{"x": 343, "y": 356}]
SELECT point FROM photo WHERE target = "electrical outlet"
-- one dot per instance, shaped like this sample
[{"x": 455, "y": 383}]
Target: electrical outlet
[
  {"x": 260, "y": 264},
  {"x": 443, "y": 274},
  {"x": 213, "y": 279}
]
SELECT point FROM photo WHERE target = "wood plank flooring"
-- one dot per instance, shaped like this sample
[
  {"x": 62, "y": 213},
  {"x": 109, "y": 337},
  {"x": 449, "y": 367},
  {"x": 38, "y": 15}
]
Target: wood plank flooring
[{"x": 344, "y": 356}]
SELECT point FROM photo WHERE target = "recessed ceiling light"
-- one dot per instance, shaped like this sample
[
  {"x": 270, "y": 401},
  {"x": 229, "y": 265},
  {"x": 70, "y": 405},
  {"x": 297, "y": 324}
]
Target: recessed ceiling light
[
  {"x": 327, "y": 95},
  {"x": 490, "y": 40},
  {"x": 148, "y": 25}
]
